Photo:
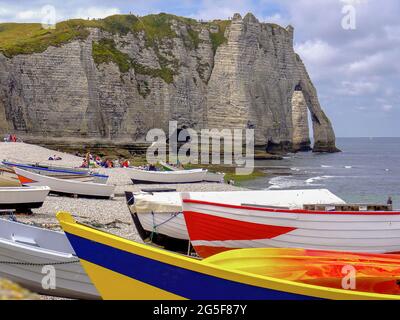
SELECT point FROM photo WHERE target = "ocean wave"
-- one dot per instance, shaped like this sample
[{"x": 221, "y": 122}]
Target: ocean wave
[
  {"x": 325, "y": 166},
  {"x": 285, "y": 182},
  {"x": 348, "y": 167},
  {"x": 319, "y": 178}
]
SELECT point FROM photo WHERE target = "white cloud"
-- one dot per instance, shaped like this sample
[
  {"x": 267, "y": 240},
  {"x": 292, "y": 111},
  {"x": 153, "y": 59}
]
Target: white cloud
[
  {"x": 358, "y": 88},
  {"x": 316, "y": 51},
  {"x": 222, "y": 9},
  {"x": 387, "y": 107},
  {"x": 393, "y": 32},
  {"x": 96, "y": 12},
  {"x": 353, "y": 2},
  {"x": 368, "y": 63},
  {"x": 29, "y": 15},
  {"x": 276, "y": 18},
  {"x": 4, "y": 12}
]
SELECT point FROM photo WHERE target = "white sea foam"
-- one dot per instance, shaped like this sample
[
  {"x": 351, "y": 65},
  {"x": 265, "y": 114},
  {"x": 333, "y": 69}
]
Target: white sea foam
[
  {"x": 319, "y": 178},
  {"x": 285, "y": 182},
  {"x": 325, "y": 166},
  {"x": 348, "y": 167}
]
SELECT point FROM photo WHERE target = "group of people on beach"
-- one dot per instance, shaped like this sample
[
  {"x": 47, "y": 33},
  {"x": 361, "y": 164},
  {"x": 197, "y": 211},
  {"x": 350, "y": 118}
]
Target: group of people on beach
[
  {"x": 95, "y": 161},
  {"x": 11, "y": 138}
]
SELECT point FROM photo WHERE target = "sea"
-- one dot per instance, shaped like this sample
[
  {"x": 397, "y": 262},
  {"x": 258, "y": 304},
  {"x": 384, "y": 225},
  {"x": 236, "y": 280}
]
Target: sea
[{"x": 366, "y": 171}]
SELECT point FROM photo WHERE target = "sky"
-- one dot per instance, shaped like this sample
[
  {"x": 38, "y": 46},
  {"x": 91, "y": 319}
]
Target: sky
[{"x": 351, "y": 48}]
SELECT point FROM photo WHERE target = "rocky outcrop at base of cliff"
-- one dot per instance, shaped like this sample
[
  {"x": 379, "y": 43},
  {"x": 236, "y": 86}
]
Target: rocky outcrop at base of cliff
[{"x": 116, "y": 85}]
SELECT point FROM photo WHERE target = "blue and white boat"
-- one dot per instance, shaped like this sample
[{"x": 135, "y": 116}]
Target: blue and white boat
[{"x": 81, "y": 174}]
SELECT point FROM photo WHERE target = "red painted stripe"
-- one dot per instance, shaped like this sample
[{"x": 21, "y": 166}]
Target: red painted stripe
[
  {"x": 25, "y": 180},
  {"x": 211, "y": 228},
  {"x": 298, "y": 211}
]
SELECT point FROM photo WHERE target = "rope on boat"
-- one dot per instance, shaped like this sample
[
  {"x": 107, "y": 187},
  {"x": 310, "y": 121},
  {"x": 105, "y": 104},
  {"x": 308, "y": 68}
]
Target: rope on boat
[
  {"x": 130, "y": 199},
  {"x": 38, "y": 264},
  {"x": 155, "y": 226}
]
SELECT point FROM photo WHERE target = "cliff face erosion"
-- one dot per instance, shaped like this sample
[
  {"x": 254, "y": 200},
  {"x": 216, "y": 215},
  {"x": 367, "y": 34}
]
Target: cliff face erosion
[{"x": 115, "y": 79}]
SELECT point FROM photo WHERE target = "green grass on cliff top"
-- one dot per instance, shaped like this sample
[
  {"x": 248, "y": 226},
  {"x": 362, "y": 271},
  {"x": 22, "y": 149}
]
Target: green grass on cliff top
[
  {"x": 105, "y": 51},
  {"x": 27, "y": 38}
]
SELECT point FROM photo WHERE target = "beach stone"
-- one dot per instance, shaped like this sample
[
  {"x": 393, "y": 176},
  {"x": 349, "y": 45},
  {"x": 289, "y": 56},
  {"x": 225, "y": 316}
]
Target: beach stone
[{"x": 247, "y": 82}]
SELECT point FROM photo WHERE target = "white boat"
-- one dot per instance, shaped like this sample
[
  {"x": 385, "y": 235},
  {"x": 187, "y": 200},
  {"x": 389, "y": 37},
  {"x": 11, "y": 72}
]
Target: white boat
[
  {"x": 139, "y": 176},
  {"x": 85, "y": 189},
  {"x": 22, "y": 199},
  {"x": 210, "y": 176},
  {"x": 158, "y": 215},
  {"x": 78, "y": 174},
  {"x": 216, "y": 225},
  {"x": 25, "y": 251}
]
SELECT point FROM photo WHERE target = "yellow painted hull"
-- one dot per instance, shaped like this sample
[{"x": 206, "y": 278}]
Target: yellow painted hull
[{"x": 124, "y": 269}]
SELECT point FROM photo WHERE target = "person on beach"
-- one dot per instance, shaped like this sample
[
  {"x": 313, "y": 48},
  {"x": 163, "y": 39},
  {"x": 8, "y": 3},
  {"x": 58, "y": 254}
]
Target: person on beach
[
  {"x": 88, "y": 155},
  {"x": 125, "y": 164},
  {"x": 84, "y": 163},
  {"x": 109, "y": 164}
]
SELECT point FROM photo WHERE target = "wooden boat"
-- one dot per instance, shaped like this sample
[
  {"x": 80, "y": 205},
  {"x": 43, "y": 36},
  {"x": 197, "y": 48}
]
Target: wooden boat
[
  {"x": 80, "y": 174},
  {"x": 61, "y": 186},
  {"x": 124, "y": 269},
  {"x": 139, "y": 176},
  {"x": 22, "y": 199},
  {"x": 158, "y": 215},
  {"x": 25, "y": 250},
  {"x": 375, "y": 273},
  {"x": 210, "y": 176},
  {"x": 214, "y": 227}
]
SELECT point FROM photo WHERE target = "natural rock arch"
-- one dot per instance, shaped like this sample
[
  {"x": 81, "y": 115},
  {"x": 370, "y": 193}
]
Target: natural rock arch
[{"x": 305, "y": 100}]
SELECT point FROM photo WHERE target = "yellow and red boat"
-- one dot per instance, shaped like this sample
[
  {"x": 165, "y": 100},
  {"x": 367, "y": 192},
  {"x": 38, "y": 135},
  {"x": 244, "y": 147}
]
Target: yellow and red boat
[{"x": 124, "y": 269}]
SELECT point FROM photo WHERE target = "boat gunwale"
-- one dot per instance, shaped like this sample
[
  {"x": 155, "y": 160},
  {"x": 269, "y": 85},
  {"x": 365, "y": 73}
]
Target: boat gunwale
[{"x": 291, "y": 211}]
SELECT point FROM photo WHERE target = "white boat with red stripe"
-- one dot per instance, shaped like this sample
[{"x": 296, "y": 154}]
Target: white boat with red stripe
[
  {"x": 158, "y": 215},
  {"x": 67, "y": 187},
  {"x": 216, "y": 226}
]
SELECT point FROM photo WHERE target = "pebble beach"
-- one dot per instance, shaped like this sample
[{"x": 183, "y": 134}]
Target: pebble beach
[{"x": 109, "y": 215}]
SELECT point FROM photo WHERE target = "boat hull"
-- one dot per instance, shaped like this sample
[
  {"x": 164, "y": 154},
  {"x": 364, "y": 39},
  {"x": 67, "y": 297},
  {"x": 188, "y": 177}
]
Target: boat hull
[
  {"x": 159, "y": 213},
  {"x": 165, "y": 177},
  {"x": 85, "y": 189},
  {"x": 161, "y": 238},
  {"x": 22, "y": 199},
  {"x": 60, "y": 172},
  {"x": 123, "y": 269},
  {"x": 210, "y": 176},
  {"x": 26, "y": 250},
  {"x": 214, "y": 227}
]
